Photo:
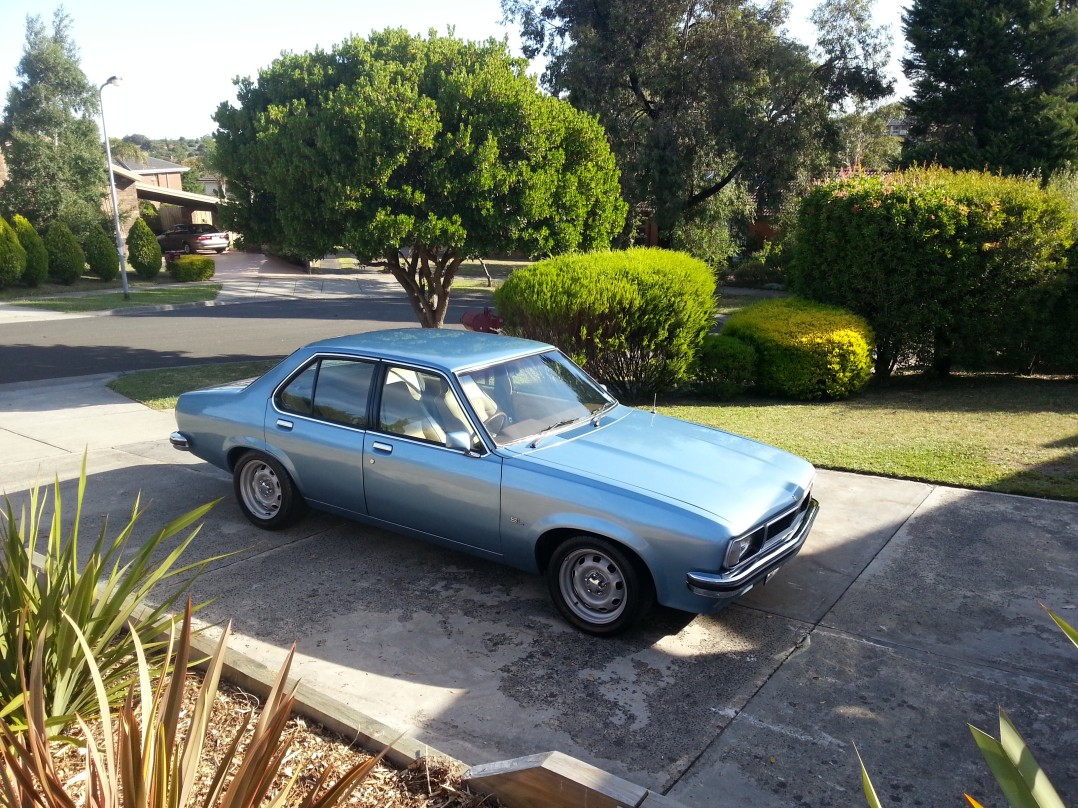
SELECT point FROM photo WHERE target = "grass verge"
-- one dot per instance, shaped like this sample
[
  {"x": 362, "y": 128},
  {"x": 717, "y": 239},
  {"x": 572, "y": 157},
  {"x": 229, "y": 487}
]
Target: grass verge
[
  {"x": 107, "y": 301},
  {"x": 159, "y": 389},
  {"x": 1012, "y": 435}
]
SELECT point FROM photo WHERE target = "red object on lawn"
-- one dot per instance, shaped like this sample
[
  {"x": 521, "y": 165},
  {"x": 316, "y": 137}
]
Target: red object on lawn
[{"x": 486, "y": 320}]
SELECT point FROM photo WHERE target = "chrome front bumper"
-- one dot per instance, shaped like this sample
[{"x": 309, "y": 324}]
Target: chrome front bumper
[{"x": 742, "y": 578}]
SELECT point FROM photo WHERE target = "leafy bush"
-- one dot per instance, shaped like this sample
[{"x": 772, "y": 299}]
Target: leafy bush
[
  {"x": 143, "y": 250},
  {"x": 100, "y": 595},
  {"x": 634, "y": 319},
  {"x": 726, "y": 366},
  {"x": 935, "y": 261},
  {"x": 144, "y": 759},
  {"x": 101, "y": 254},
  {"x": 148, "y": 212},
  {"x": 189, "y": 268},
  {"x": 37, "y": 257},
  {"x": 806, "y": 350},
  {"x": 12, "y": 255},
  {"x": 66, "y": 259}
]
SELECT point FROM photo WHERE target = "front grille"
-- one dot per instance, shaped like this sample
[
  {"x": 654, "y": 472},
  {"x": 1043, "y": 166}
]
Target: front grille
[{"x": 777, "y": 527}]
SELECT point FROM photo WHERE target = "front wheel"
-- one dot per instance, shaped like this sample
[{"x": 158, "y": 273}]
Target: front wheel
[
  {"x": 188, "y": 249},
  {"x": 266, "y": 494},
  {"x": 597, "y": 587}
]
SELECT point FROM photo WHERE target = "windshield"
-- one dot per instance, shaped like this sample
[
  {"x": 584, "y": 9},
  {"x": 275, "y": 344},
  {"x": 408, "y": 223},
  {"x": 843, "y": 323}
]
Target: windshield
[{"x": 525, "y": 397}]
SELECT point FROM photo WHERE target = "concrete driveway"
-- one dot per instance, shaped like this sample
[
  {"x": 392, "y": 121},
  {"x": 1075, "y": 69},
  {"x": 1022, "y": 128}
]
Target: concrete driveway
[{"x": 912, "y": 610}]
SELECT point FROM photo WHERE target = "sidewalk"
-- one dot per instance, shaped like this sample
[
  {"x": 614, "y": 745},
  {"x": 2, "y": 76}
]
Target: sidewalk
[
  {"x": 248, "y": 277},
  {"x": 912, "y": 609}
]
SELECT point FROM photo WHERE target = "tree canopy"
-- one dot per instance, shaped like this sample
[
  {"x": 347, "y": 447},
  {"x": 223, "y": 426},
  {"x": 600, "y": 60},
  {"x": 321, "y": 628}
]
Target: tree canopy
[
  {"x": 424, "y": 151},
  {"x": 697, "y": 95},
  {"x": 50, "y": 140},
  {"x": 995, "y": 84}
]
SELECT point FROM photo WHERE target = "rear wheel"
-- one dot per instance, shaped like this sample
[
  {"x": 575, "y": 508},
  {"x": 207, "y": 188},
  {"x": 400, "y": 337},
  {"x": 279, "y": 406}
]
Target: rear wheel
[
  {"x": 597, "y": 587},
  {"x": 266, "y": 494}
]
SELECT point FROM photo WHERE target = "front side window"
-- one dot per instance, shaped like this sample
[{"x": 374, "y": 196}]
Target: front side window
[
  {"x": 335, "y": 390},
  {"x": 422, "y": 405}
]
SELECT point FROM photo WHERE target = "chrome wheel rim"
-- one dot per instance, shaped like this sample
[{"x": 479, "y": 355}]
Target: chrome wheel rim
[
  {"x": 593, "y": 586},
  {"x": 260, "y": 489}
]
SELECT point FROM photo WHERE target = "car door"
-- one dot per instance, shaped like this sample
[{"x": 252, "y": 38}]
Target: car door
[
  {"x": 317, "y": 419},
  {"x": 414, "y": 479}
]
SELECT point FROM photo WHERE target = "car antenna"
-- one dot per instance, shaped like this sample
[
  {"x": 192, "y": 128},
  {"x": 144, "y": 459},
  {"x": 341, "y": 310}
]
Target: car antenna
[{"x": 654, "y": 401}]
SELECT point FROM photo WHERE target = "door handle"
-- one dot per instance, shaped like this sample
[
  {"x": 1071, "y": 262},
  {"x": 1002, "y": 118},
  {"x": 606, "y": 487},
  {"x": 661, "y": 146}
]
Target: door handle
[
  {"x": 382, "y": 447},
  {"x": 283, "y": 424}
]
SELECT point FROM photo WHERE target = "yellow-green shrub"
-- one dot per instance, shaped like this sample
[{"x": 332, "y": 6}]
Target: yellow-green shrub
[
  {"x": 806, "y": 350},
  {"x": 189, "y": 268},
  {"x": 726, "y": 366},
  {"x": 633, "y": 318}
]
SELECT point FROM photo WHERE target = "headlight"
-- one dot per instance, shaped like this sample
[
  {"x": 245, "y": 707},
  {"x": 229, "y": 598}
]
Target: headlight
[{"x": 743, "y": 546}]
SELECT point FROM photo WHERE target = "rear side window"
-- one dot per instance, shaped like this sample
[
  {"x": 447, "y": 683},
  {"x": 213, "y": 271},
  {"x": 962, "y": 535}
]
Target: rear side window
[{"x": 334, "y": 390}]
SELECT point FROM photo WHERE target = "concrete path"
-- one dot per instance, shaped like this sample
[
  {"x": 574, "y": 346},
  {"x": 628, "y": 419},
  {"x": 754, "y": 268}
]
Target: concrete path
[{"x": 912, "y": 610}]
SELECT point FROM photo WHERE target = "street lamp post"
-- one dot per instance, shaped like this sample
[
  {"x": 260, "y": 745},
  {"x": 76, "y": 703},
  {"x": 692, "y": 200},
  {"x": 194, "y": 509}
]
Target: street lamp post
[{"x": 112, "y": 188}]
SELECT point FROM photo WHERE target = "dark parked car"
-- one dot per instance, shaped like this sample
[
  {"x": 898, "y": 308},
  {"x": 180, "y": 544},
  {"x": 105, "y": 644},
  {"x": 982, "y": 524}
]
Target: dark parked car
[
  {"x": 190, "y": 238},
  {"x": 504, "y": 448}
]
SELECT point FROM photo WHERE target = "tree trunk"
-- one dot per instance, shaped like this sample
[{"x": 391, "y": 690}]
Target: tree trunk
[{"x": 427, "y": 278}]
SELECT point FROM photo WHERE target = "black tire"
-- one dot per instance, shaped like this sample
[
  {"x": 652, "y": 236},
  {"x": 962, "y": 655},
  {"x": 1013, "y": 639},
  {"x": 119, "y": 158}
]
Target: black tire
[
  {"x": 219, "y": 250},
  {"x": 266, "y": 494},
  {"x": 597, "y": 586},
  {"x": 188, "y": 249}
]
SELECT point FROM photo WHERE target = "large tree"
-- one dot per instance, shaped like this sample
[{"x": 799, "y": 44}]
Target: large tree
[
  {"x": 699, "y": 94},
  {"x": 56, "y": 166},
  {"x": 995, "y": 84},
  {"x": 424, "y": 151}
]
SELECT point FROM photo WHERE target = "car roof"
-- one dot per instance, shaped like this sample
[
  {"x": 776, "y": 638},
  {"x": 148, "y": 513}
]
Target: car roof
[{"x": 445, "y": 349}]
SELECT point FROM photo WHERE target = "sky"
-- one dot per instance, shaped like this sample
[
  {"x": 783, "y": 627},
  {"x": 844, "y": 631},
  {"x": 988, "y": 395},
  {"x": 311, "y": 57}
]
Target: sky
[{"x": 177, "y": 63}]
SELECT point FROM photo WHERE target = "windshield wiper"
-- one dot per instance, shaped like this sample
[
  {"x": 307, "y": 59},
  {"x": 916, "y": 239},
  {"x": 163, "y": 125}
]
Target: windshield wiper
[
  {"x": 551, "y": 428},
  {"x": 597, "y": 417}
]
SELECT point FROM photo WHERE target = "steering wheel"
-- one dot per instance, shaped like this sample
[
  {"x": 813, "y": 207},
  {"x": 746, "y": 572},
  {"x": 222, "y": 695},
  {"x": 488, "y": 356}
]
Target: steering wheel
[{"x": 496, "y": 423}]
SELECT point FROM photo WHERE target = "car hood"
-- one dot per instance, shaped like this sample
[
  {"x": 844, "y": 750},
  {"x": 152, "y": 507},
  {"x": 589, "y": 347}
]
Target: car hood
[{"x": 734, "y": 478}]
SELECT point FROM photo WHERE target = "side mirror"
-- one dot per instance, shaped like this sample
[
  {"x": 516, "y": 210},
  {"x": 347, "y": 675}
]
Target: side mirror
[{"x": 461, "y": 441}]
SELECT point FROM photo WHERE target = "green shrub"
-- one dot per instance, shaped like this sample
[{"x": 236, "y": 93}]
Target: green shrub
[
  {"x": 806, "y": 350},
  {"x": 143, "y": 250},
  {"x": 634, "y": 319},
  {"x": 149, "y": 214},
  {"x": 189, "y": 268},
  {"x": 935, "y": 260},
  {"x": 725, "y": 367},
  {"x": 37, "y": 257},
  {"x": 101, "y": 594},
  {"x": 66, "y": 259},
  {"x": 101, "y": 254},
  {"x": 12, "y": 255}
]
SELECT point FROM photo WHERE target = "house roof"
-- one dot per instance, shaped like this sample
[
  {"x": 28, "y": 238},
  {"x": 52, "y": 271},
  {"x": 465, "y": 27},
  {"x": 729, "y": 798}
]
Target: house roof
[
  {"x": 151, "y": 165},
  {"x": 172, "y": 196}
]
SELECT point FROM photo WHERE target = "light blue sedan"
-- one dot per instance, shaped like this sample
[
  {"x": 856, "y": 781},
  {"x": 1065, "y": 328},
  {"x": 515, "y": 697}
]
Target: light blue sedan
[{"x": 505, "y": 449}]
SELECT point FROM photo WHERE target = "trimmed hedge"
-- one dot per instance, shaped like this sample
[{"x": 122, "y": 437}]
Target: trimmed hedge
[
  {"x": 944, "y": 265},
  {"x": 806, "y": 350},
  {"x": 189, "y": 268},
  {"x": 634, "y": 318},
  {"x": 143, "y": 250},
  {"x": 101, "y": 254},
  {"x": 726, "y": 366},
  {"x": 66, "y": 259},
  {"x": 37, "y": 257},
  {"x": 12, "y": 255}
]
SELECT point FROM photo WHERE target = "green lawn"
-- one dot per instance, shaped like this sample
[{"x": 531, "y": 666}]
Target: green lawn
[
  {"x": 115, "y": 300},
  {"x": 1014, "y": 435}
]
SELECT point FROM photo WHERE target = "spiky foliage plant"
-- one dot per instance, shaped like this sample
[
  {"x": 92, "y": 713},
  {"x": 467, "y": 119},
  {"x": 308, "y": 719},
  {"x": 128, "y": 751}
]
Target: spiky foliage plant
[
  {"x": 49, "y": 601},
  {"x": 145, "y": 760}
]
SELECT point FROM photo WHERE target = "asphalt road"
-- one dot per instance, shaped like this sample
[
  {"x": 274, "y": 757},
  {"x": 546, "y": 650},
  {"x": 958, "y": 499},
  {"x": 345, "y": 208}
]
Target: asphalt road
[{"x": 55, "y": 349}]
